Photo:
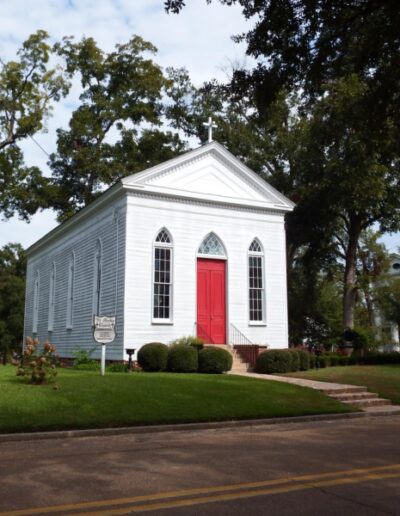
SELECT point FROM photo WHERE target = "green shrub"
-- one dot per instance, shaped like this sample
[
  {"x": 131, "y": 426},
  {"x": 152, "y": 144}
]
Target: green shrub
[
  {"x": 295, "y": 360},
  {"x": 92, "y": 365},
  {"x": 274, "y": 361},
  {"x": 343, "y": 360},
  {"x": 334, "y": 360},
  {"x": 352, "y": 360},
  {"x": 304, "y": 359},
  {"x": 117, "y": 367},
  {"x": 214, "y": 360},
  {"x": 313, "y": 360},
  {"x": 380, "y": 358},
  {"x": 323, "y": 361},
  {"x": 82, "y": 356},
  {"x": 153, "y": 357},
  {"x": 182, "y": 359},
  {"x": 195, "y": 342}
]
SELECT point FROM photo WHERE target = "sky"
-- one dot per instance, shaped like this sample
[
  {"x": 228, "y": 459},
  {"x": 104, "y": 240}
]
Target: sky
[{"x": 199, "y": 39}]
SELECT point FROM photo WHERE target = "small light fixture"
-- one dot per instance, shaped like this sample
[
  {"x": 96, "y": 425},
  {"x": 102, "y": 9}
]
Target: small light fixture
[{"x": 130, "y": 352}]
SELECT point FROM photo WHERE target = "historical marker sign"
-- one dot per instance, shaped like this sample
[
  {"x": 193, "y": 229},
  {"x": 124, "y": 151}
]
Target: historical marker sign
[{"x": 104, "y": 329}]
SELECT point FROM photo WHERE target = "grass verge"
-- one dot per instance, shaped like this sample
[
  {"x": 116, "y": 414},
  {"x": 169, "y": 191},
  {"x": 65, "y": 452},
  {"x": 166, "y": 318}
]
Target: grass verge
[
  {"x": 86, "y": 400},
  {"x": 382, "y": 379}
]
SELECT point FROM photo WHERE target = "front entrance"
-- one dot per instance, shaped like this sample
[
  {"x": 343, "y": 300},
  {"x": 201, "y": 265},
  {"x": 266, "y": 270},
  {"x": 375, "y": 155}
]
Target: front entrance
[{"x": 211, "y": 321}]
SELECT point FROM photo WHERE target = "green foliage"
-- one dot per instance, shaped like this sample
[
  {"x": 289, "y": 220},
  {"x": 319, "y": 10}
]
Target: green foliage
[
  {"x": 92, "y": 365},
  {"x": 117, "y": 368},
  {"x": 196, "y": 342},
  {"x": 214, "y": 360},
  {"x": 153, "y": 357},
  {"x": 28, "y": 88},
  {"x": 40, "y": 365},
  {"x": 313, "y": 360},
  {"x": 295, "y": 362},
  {"x": 182, "y": 359},
  {"x": 12, "y": 295},
  {"x": 388, "y": 299},
  {"x": 379, "y": 358},
  {"x": 82, "y": 356},
  {"x": 323, "y": 361},
  {"x": 123, "y": 92},
  {"x": 274, "y": 361},
  {"x": 304, "y": 359}
]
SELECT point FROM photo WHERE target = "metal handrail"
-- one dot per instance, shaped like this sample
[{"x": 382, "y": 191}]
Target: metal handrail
[{"x": 237, "y": 338}]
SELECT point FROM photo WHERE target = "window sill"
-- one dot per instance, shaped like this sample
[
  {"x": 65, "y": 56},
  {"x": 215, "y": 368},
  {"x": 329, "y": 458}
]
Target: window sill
[
  {"x": 167, "y": 322},
  {"x": 256, "y": 323}
]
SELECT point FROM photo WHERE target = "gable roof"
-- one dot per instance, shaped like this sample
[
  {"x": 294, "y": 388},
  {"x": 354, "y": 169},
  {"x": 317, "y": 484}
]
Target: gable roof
[{"x": 209, "y": 173}]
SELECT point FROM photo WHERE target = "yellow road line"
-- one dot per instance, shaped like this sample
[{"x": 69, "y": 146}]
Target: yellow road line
[
  {"x": 200, "y": 490},
  {"x": 237, "y": 496}
]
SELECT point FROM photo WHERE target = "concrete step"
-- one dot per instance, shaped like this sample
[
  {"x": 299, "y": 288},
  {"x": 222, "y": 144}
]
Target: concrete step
[
  {"x": 369, "y": 402},
  {"x": 353, "y": 396},
  {"x": 343, "y": 390}
]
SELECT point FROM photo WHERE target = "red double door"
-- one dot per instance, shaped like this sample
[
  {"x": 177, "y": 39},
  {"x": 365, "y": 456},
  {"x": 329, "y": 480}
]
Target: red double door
[{"x": 211, "y": 318}]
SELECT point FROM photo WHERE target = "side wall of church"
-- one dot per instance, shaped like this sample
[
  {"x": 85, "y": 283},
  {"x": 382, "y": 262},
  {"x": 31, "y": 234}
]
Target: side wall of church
[
  {"x": 80, "y": 241},
  {"x": 188, "y": 224}
]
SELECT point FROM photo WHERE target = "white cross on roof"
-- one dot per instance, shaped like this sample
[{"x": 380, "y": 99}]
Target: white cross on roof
[{"x": 210, "y": 125}]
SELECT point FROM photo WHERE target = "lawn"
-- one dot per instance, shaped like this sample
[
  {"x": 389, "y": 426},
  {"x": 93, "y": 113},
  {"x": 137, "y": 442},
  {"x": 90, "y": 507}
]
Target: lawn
[
  {"x": 383, "y": 379},
  {"x": 84, "y": 399}
]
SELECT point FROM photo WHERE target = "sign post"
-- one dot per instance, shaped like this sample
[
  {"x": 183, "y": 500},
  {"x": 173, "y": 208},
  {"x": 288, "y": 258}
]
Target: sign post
[{"x": 104, "y": 333}]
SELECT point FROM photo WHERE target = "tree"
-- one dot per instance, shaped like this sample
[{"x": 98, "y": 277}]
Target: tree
[
  {"x": 342, "y": 57},
  {"x": 388, "y": 300},
  {"x": 12, "y": 296},
  {"x": 117, "y": 129},
  {"x": 28, "y": 88}
]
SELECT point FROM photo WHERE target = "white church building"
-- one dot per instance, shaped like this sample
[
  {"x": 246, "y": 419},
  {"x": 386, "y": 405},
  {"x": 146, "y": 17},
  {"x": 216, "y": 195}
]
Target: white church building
[{"x": 193, "y": 246}]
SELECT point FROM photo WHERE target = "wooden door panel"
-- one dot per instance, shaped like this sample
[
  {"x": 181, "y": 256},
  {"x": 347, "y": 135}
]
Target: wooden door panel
[{"x": 211, "y": 306}]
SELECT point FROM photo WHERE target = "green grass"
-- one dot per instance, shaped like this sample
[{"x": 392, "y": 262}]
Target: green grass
[
  {"x": 382, "y": 379},
  {"x": 86, "y": 400}
]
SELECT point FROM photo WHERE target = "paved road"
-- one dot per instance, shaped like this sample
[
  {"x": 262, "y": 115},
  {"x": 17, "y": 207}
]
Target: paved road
[{"x": 326, "y": 468}]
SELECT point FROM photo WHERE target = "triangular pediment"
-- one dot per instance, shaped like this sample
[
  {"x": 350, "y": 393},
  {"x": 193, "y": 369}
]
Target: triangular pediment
[{"x": 209, "y": 173}]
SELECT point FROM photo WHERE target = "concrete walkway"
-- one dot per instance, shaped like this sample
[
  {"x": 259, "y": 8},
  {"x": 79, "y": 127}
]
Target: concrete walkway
[{"x": 358, "y": 396}]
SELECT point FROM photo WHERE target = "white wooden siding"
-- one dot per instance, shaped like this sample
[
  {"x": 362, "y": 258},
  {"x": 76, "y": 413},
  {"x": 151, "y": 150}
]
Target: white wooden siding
[
  {"x": 188, "y": 224},
  {"x": 80, "y": 239}
]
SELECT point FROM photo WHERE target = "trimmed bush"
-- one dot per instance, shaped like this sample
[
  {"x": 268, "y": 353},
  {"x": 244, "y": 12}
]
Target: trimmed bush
[
  {"x": 335, "y": 360},
  {"x": 380, "y": 358},
  {"x": 323, "y": 361},
  {"x": 274, "y": 361},
  {"x": 313, "y": 360},
  {"x": 214, "y": 360},
  {"x": 117, "y": 368},
  {"x": 343, "y": 360},
  {"x": 153, "y": 357},
  {"x": 304, "y": 359},
  {"x": 295, "y": 360},
  {"x": 182, "y": 359},
  {"x": 196, "y": 342}
]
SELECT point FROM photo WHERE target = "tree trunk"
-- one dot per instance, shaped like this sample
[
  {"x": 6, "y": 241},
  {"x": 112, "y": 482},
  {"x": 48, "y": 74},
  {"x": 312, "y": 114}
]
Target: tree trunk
[{"x": 350, "y": 280}]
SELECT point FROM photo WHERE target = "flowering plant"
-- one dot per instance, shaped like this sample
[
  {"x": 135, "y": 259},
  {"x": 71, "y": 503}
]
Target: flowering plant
[{"x": 40, "y": 364}]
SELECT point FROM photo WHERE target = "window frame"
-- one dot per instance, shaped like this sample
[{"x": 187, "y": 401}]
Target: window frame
[
  {"x": 36, "y": 296},
  {"x": 52, "y": 297},
  {"x": 256, "y": 254},
  {"x": 163, "y": 245},
  {"x": 97, "y": 280},
  {"x": 212, "y": 256},
  {"x": 69, "y": 322}
]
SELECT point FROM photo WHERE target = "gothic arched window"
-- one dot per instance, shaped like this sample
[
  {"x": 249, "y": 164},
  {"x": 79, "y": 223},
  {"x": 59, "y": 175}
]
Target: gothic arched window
[
  {"x": 52, "y": 295},
  {"x": 97, "y": 279},
  {"x": 212, "y": 246},
  {"x": 256, "y": 282},
  {"x": 70, "y": 291},
  {"x": 162, "y": 277}
]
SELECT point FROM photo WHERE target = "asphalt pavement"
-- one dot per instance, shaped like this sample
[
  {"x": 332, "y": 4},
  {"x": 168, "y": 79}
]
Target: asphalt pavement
[{"x": 338, "y": 467}]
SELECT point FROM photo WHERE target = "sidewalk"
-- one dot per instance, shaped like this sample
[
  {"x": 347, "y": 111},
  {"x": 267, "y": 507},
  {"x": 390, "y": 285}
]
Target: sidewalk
[{"x": 358, "y": 396}]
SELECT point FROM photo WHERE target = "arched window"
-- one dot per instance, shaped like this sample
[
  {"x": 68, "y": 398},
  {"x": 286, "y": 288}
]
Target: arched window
[
  {"x": 212, "y": 246},
  {"x": 97, "y": 278},
  {"x": 52, "y": 295},
  {"x": 70, "y": 292},
  {"x": 256, "y": 282},
  {"x": 36, "y": 303},
  {"x": 162, "y": 277}
]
